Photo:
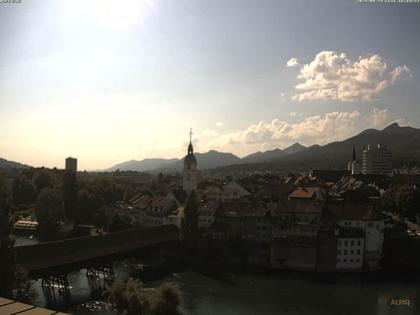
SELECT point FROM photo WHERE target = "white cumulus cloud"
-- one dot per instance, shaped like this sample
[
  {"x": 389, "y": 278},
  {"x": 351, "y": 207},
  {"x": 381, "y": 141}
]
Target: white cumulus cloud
[
  {"x": 400, "y": 72},
  {"x": 319, "y": 129},
  {"x": 334, "y": 76},
  {"x": 295, "y": 114},
  {"x": 293, "y": 62},
  {"x": 378, "y": 117}
]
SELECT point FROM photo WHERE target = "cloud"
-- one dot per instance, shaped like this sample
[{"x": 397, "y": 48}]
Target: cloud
[
  {"x": 334, "y": 76},
  {"x": 378, "y": 117},
  {"x": 295, "y": 114},
  {"x": 400, "y": 72},
  {"x": 219, "y": 124},
  {"x": 209, "y": 133},
  {"x": 319, "y": 129},
  {"x": 293, "y": 62},
  {"x": 402, "y": 122},
  {"x": 283, "y": 97}
]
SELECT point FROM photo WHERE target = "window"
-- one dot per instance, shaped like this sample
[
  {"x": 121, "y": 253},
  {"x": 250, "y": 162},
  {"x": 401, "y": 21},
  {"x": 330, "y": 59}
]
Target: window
[
  {"x": 352, "y": 252},
  {"x": 346, "y": 243},
  {"x": 352, "y": 243},
  {"x": 358, "y": 252},
  {"x": 339, "y": 243},
  {"x": 345, "y": 252},
  {"x": 359, "y": 243}
]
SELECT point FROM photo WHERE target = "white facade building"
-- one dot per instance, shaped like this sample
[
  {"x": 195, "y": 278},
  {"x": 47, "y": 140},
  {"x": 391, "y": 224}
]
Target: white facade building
[
  {"x": 158, "y": 211},
  {"x": 360, "y": 237},
  {"x": 376, "y": 160},
  {"x": 350, "y": 252},
  {"x": 263, "y": 228}
]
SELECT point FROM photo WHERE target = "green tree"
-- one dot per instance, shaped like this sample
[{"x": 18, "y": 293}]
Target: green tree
[
  {"x": 106, "y": 190},
  {"x": 88, "y": 205},
  {"x": 43, "y": 179},
  {"x": 14, "y": 283},
  {"x": 132, "y": 298},
  {"x": 129, "y": 297},
  {"x": 7, "y": 257},
  {"x": 168, "y": 300},
  {"x": 49, "y": 212},
  {"x": 102, "y": 217},
  {"x": 402, "y": 199},
  {"x": 70, "y": 194},
  {"x": 115, "y": 223},
  {"x": 24, "y": 291},
  {"x": 408, "y": 201},
  {"x": 189, "y": 222},
  {"x": 24, "y": 191}
]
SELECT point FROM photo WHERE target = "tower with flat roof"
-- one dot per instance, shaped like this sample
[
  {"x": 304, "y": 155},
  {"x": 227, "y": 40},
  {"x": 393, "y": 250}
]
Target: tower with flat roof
[{"x": 71, "y": 164}]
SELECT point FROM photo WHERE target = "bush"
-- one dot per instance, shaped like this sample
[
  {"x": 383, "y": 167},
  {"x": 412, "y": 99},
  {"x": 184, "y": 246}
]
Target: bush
[{"x": 132, "y": 298}]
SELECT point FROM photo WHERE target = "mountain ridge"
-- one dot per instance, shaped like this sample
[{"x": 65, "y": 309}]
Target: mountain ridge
[
  {"x": 6, "y": 164},
  {"x": 404, "y": 142}
]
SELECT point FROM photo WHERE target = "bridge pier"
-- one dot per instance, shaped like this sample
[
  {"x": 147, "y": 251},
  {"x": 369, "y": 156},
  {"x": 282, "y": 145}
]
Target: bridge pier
[
  {"x": 104, "y": 272},
  {"x": 56, "y": 288}
]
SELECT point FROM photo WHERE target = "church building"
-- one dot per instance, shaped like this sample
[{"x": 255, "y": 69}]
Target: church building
[{"x": 190, "y": 178}]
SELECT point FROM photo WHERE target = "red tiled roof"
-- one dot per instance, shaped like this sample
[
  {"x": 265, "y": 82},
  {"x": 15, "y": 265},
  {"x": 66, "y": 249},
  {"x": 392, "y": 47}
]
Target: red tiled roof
[
  {"x": 143, "y": 202},
  {"x": 305, "y": 192}
]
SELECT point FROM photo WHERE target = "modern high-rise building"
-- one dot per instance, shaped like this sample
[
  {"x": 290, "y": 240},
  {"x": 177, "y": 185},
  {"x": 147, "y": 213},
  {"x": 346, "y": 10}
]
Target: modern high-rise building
[
  {"x": 189, "y": 178},
  {"x": 376, "y": 160},
  {"x": 71, "y": 164}
]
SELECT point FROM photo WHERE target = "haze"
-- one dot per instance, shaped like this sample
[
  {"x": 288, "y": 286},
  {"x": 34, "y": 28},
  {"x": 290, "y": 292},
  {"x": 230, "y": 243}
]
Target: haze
[{"x": 109, "y": 81}]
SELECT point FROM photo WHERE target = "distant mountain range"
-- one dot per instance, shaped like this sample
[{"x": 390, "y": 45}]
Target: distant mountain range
[
  {"x": 404, "y": 142},
  {"x": 209, "y": 160},
  {"x": 143, "y": 165},
  {"x": 259, "y": 156},
  {"x": 5, "y": 164}
]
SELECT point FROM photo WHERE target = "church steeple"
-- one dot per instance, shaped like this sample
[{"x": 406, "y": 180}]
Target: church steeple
[
  {"x": 189, "y": 181},
  {"x": 190, "y": 146}
]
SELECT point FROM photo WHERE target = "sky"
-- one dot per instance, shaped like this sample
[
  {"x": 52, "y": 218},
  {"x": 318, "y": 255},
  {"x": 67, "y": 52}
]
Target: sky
[{"x": 109, "y": 81}]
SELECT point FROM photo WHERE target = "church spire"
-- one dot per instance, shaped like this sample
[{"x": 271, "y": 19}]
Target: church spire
[{"x": 190, "y": 147}]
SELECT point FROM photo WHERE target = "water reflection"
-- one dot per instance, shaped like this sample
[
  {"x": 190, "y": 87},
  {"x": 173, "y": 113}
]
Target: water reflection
[
  {"x": 24, "y": 240},
  {"x": 209, "y": 293}
]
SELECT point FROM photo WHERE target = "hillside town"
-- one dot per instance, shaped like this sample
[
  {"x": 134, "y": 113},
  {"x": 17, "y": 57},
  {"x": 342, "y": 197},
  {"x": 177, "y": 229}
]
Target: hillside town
[{"x": 324, "y": 221}]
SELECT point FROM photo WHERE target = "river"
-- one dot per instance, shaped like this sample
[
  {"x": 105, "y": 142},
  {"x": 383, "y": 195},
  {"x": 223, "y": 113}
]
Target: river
[{"x": 271, "y": 294}]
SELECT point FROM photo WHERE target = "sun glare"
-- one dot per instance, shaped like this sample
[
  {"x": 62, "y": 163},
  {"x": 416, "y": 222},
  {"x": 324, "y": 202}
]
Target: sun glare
[{"x": 111, "y": 13}]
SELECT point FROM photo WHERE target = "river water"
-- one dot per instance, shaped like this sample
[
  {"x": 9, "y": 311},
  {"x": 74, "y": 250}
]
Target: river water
[
  {"x": 227, "y": 293},
  {"x": 224, "y": 293}
]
